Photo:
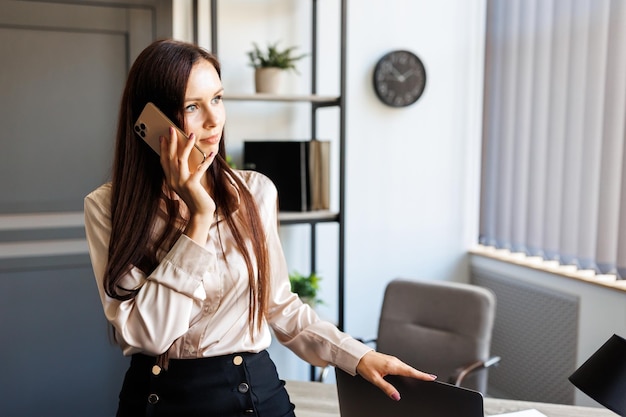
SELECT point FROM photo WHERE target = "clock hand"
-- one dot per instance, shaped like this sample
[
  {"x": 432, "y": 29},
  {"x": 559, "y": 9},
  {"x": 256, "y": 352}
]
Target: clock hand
[
  {"x": 408, "y": 73},
  {"x": 398, "y": 78},
  {"x": 397, "y": 74}
]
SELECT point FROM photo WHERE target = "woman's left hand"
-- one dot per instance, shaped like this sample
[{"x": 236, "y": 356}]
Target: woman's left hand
[{"x": 374, "y": 366}]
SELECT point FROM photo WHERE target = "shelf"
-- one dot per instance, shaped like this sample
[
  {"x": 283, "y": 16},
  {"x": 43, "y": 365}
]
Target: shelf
[
  {"x": 316, "y": 102},
  {"x": 307, "y": 98},
  {"x": 319, "y": 216}
]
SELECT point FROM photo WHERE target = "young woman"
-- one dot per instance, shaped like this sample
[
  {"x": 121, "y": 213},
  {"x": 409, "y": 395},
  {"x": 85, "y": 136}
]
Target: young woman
[{"x": 189, "y": 264}]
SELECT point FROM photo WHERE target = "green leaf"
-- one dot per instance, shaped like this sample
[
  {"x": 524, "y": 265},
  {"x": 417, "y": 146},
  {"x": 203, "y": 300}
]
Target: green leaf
[
  {"x": 273, "y": 57},
  {"x": 306, "y": 286}
]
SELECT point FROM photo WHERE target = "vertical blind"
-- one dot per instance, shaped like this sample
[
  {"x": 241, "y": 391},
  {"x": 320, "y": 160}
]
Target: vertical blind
[{"x": 553, "y": 137}]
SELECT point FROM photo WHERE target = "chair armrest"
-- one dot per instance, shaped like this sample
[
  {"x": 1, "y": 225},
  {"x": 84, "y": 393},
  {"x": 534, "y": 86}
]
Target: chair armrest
[{"x": 460, "y": 374}]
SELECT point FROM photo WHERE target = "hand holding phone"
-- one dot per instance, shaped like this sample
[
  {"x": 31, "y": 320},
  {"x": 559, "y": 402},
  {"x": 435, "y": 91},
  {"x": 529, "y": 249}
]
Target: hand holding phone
[{"x": 152, "y": 124}]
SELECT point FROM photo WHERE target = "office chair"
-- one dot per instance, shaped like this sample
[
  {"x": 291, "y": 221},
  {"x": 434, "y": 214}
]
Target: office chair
[{"x": 443, "y": 328}]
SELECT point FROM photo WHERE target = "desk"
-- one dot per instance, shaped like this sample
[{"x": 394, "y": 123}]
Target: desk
[{"x": 314, "y": 399}]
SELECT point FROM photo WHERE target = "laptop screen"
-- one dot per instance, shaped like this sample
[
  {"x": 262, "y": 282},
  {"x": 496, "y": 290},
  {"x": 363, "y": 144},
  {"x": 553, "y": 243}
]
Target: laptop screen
[{"x": 360, "y": 398}]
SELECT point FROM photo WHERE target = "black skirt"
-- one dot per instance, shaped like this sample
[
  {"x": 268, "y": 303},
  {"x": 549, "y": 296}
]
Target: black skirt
[{"x": 241, "y": 384}]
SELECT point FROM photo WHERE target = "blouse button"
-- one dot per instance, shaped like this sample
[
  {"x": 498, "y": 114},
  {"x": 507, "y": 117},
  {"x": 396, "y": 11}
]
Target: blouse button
[
  {"x": 153, "y": 398},
  {"x": 243, "y": 388},
  {"x": 237, "y": 360}
]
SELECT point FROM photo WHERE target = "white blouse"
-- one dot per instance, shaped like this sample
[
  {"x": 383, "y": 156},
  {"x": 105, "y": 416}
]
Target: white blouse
[{"x": 197, "y": 304}]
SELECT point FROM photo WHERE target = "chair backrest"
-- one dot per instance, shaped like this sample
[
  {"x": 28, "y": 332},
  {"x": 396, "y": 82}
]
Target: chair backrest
[{"x": 437, "y": 326}]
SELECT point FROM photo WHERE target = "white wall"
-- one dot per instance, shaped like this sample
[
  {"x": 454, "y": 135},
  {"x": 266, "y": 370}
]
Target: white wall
[{"x": 412, "y": 174}]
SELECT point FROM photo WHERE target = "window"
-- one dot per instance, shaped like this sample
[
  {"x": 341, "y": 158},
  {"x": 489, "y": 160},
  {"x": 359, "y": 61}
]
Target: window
[{"x": 553, "y": 137}]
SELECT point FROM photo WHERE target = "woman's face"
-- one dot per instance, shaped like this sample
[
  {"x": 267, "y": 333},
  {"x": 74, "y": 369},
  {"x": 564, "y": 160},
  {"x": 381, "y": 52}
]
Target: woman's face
[{"x": 204, "y": 108}]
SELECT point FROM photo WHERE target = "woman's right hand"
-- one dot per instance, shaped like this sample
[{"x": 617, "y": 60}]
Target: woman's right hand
[{"x": 190, "y": 185}]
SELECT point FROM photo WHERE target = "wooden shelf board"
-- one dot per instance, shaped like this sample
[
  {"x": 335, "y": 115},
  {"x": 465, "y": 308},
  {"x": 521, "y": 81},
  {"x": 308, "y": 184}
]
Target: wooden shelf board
[
  {"x": 310, "y": 98},
  {"x": 318, "y": 216}
]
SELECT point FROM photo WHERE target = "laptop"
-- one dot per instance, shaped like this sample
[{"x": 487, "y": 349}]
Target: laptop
[{"x": 360, "y": 398}]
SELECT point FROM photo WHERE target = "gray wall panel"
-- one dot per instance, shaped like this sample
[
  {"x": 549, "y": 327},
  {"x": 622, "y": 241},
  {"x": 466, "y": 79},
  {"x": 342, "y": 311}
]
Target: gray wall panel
[
  {"x": 59, "y": 118},
  {"x": 57, "y": 359},
  {"x": 63, "y": 69}
]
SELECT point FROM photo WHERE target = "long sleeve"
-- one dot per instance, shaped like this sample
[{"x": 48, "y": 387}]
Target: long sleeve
[
  {"x": 195, "y": 303},
  {"x": 161, "y": 311},
  {"x": 295, "y": 324}
]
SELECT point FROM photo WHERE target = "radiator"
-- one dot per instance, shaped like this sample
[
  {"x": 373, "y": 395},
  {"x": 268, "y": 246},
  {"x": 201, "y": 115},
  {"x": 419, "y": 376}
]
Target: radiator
[{"x": 536, "y": 334}]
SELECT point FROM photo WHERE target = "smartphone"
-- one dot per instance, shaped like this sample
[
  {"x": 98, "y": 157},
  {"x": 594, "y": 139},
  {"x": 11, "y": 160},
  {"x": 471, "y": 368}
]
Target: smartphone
[{"x": 152, "y": 124}]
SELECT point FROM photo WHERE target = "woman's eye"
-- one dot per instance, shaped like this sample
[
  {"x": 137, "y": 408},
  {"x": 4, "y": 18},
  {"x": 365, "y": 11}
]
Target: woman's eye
[
  {"x": 191, "y": 108},
  {"x": 217, "y": 99}
]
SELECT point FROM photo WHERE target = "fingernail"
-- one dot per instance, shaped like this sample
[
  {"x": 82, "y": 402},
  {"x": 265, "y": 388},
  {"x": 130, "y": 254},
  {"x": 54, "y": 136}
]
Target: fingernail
[
  {"x": 433, "y": 376},
  {"x": 191, "y": 136},
  {"x": 395, "y": 396}
]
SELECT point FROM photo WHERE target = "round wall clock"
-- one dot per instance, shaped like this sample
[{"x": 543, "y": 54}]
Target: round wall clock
[{"x": 399, "y": 78}]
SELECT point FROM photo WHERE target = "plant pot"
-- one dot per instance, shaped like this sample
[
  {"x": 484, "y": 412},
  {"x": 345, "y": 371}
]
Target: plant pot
[{"x": 269, "y": 80}]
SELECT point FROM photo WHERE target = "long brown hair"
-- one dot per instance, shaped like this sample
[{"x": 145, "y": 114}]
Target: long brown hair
[{"x": 160, "y": 74}]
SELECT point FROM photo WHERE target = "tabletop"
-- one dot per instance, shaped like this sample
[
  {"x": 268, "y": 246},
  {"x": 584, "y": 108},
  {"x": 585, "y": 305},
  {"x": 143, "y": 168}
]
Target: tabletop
[{"x": 315, "y": 399}]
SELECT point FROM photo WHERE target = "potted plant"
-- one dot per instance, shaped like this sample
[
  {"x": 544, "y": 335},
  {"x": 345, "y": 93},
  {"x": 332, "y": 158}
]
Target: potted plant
[
  {"x": 306, "y": 286},
  {"x": 270, "y": 65}
]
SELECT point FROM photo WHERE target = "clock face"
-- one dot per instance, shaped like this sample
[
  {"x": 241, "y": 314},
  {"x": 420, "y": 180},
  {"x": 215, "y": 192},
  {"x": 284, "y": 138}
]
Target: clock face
[{"x": 399, "y": 78}]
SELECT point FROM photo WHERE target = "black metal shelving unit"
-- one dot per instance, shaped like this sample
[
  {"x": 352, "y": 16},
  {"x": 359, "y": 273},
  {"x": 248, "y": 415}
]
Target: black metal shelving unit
[{"x": 317, "y": 102}]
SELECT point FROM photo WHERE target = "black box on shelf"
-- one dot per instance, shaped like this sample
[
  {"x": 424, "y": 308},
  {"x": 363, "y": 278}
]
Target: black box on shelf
[{"x": 300, "y": 170}]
